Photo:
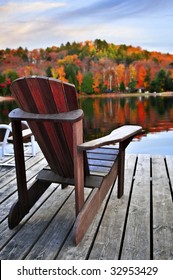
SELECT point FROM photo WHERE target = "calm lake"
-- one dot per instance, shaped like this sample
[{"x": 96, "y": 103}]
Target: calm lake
[{"x": 103, "y": 114}]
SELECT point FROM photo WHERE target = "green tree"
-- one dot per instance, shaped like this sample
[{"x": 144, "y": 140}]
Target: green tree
[
  {"x": 153, "y": 86},
  {"x": 71, "y": 72},
  {"x": 132, "y": 85},
  {"x": 122, "y": 87},
  {"x": 12, "y": 75},
  {"x": 159, "y": 83},
  {"x": 161, "y": 80},
  {"x": 87, "y": 83},
  {"x": 147, "y": 79},
  {"x": 169, "y": 81},
  {"x": 100, "y": 45},
  {"x": 49, "y": 71}
]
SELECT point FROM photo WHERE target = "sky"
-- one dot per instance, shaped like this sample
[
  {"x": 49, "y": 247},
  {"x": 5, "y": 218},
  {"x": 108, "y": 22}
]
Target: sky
[{"x": 41, "y": 24}]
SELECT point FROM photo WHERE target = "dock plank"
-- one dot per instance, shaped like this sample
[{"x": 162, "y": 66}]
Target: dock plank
[
  {"x": 59, "y": 227},
  {"x": 108, "y": 240},
  {"x": 82, "y": 250},
  {"x": 5, "y": 234},
  {"x": 137, "y": 226},
  {"x": 137, "y": 234},
  {"x": 24, "y": 239},
  {"x": 162, "y": 211}
]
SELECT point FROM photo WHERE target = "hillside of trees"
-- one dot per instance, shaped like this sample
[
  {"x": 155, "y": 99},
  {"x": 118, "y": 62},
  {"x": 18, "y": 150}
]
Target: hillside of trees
[{"x": 93, "y": 66}]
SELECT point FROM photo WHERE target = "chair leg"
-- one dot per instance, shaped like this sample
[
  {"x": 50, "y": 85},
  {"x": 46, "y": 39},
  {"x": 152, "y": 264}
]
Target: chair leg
[
  {"x": 18, "y": 211},
  {"x": 20, "y": 166},
  {"x": 26, "y": 198},
  {"x": 63, "y": 186},
  {"x": 92, "y": 205},
  {"x": 15, "y": 215},
  {"x": 121, "y": 166},
  {"x": 78, "y": 166}
]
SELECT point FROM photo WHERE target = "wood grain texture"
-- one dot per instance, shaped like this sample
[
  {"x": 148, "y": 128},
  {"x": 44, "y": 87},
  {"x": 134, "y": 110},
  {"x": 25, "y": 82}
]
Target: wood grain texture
[
  {"x": 136, "y": 243},
  {"x": 46, "y": 231},
  {"x": 162, "y": 212},
  {"x": 117, "y": 135}
]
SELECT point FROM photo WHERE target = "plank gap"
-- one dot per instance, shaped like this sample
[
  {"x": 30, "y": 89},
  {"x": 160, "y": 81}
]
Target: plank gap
[
  {"x": 169, "y": 179},
  {"x": 151, "y": 210}
]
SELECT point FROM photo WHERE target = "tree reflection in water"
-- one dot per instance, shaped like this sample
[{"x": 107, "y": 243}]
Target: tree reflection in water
[
  {"x": 153, "y": 113},
  {"x": 103, "y": 114}
]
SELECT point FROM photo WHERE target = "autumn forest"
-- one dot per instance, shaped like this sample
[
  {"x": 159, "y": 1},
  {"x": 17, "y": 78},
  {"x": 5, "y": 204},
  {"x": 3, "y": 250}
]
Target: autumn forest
[{"x": 93, "y": 66}]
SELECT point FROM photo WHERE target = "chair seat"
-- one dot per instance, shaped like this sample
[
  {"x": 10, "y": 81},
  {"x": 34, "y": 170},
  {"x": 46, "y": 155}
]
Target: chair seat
[{"x": 100, "y": 160}]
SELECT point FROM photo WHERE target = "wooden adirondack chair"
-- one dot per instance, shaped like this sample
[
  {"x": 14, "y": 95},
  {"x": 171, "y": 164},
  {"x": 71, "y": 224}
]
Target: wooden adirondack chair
[{"x": 50, "y": 107}]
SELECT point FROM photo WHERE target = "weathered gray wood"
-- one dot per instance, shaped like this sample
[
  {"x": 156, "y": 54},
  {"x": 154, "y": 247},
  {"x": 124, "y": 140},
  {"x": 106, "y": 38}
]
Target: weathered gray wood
[
  {"x": 103, "y": 239},
  {"x": 169, "y": 162},
  {"x": 118, "y": 135},
  {"x": 24, "y": 239},
  {"x": 9, "y": 191},
  {"x": 81, "y": 251},
  {"x": 5, "y": 234},
  {"x": 108, "y": 240},
  {"x": 162, "y": 212},
  {"x": 9, "y": 175},
  {"x": 101, "y": 163},
  {"x": 110, "y": 150},
  {"x": 102, "y": 156},
  {"x": 137, "y": 234},
  {"x": 57, "y": 232}
]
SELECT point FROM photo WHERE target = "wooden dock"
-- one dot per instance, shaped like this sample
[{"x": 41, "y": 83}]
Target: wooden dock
[{"x": 139, "y": 226}]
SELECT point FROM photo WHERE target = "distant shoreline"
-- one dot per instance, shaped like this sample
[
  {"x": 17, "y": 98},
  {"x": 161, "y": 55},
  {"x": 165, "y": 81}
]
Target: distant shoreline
[
  {"x": 10, "y": 98},
  {"x": 125, "y": 94}
]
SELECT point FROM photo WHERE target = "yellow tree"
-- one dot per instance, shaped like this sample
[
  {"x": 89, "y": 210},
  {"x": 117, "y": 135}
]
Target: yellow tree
[
  {"x": 119, "y": 74},
  {"x": 69, "y": 59},
  {"x": 59, "y": 73}
]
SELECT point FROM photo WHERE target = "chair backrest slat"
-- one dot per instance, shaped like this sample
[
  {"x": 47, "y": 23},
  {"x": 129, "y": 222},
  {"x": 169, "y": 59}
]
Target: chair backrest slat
[{"x": 48, "y": 96}]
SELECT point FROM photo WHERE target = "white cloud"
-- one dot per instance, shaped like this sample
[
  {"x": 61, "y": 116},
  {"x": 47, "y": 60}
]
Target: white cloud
[
  {"x": 37, "y": 24},
  {"x": 27, "y": 10},
  {"x": 27, "y": 7}
]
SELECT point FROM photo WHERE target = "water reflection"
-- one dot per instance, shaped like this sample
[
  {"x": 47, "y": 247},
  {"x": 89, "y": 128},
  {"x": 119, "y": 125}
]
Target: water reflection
[
  {"x": 102, "y": 115},
  {"x": 153, "y": 113},
  {"x": 5, "y": 108}
]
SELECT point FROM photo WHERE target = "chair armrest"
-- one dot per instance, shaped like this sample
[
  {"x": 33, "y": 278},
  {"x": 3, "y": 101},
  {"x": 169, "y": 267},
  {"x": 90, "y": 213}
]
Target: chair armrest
[
  {"x": 116, "y": 136},
  {"x": 72, "y": 116}
]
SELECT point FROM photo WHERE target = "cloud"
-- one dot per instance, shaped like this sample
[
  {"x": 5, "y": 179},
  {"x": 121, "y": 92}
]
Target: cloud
[
  {"x": 35, "y": 24},
  {"x": 26, "y": 9},
  {"x": 29, "y": 6},
  {"x": 114, "y": 9}
]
